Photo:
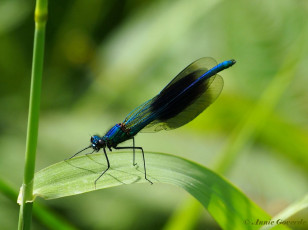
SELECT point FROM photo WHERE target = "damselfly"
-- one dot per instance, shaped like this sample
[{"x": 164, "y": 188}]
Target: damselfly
[{"x": 182, "y": 100}]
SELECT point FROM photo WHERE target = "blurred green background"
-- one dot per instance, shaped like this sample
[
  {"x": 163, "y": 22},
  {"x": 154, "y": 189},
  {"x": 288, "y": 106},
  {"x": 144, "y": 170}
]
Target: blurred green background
[{"x": 104, "y": 58}]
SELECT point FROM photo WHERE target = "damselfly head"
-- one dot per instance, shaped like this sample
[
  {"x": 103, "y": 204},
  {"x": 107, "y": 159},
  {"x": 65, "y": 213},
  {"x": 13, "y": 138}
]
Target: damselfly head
[{"x": 97, "y": 143}]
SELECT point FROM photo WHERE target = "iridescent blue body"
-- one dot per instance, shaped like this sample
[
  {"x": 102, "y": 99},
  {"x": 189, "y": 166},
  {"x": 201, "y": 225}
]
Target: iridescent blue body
[
  {"x": 120, "y": 133},
  {"x": 182, "y": 100},
  {"x": 116, "y": 135}
]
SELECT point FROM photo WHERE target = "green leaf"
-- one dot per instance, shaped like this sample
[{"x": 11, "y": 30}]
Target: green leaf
[
  {"x": 286, "y": 214},
  {"x": 229, "y": 207}
]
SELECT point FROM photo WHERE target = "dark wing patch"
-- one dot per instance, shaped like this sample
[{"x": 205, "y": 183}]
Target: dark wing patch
[
  {"x": 178, "y": 96},
  {"x": 183, "y": 99},
  {"x": 192, "y": 110}
]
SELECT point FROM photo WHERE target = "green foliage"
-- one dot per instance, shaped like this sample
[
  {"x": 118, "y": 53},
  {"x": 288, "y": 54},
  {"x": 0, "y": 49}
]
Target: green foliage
[
  {"x": 290, "y": 214},
  {"x": 104, "y": 58},
  {"x": 229, "y": 207},
  {"x": 25, "y": 214}
]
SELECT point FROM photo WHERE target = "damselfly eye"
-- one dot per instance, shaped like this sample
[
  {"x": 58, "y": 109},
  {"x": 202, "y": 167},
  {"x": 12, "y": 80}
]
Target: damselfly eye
[{"x": 92, "y": 139}]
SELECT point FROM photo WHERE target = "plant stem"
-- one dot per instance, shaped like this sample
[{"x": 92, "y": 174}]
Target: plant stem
[{"x": 25, "y": 214}]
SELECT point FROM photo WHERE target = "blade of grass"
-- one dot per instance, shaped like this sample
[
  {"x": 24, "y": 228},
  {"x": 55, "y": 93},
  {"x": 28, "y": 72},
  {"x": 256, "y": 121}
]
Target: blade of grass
[
  {"x": 40, "y": 212},
  {"x": 290, "y": 211},
  {"x": 25, "y": 214},
  {"x": 228, "y": 206}
]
